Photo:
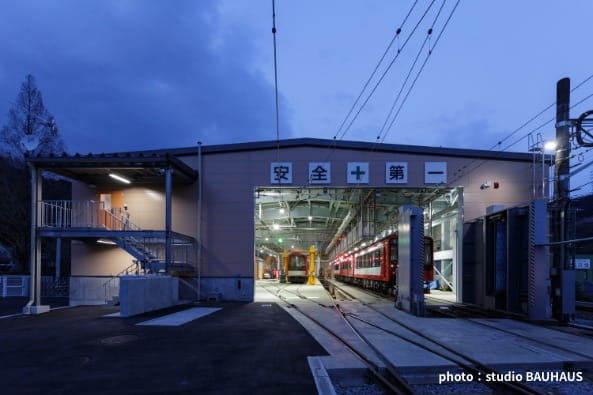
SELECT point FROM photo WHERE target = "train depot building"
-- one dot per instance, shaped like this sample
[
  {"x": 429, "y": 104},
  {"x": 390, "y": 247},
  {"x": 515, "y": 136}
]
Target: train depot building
[{"x": 207, "y": 222}]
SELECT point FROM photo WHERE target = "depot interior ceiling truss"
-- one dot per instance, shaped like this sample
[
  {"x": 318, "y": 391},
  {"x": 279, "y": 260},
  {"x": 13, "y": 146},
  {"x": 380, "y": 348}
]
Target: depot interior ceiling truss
[{"x": 297, "y": 218}]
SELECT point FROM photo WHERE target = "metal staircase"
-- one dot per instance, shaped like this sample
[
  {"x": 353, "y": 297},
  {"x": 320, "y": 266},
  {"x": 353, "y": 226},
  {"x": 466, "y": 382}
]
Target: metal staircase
[
  {"x": 148, "y": 251},
  {"x": 111, "y": 289},
  {"x": 148, "y": 260},
  {"x": 91, "y": 216}
]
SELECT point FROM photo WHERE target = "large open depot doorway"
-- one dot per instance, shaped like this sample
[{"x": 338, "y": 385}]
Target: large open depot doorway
[{"x": 333, "y": 220}]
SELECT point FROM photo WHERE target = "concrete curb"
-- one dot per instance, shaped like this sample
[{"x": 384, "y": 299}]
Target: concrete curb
[{"x": 322, "y": 381}]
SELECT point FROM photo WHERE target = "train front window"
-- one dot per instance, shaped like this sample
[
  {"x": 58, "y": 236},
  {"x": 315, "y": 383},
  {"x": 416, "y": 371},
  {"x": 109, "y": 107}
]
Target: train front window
[{"x": 297, "y": 262}]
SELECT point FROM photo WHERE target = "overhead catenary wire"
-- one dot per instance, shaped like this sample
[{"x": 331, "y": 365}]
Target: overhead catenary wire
[
  {"x": 276, "y": 81},
  {"x": 482, "y": 161},
  {"x": 369, "y": 79},
  {"x": 365, "y": 102},
  {"x": 426, "y": 40},
  {"x": 431, "y": 50},
  {"x": 581, "y": 186},
  {"x": 580, "y": 157},
  {"x": 540, "y": 113},
  {"x": 545, "y": 123},
  {"x": 551, "y": 105},
  {"x": 339, "y": 136}
]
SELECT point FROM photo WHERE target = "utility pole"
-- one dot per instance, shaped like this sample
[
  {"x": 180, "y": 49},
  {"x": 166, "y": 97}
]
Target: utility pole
[
  {"x": 563, "y": 123},
  {"x": 562, "y": 274}
]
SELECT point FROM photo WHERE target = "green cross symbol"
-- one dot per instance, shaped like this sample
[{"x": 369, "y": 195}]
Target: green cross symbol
[{"x": 357, "y": 172}]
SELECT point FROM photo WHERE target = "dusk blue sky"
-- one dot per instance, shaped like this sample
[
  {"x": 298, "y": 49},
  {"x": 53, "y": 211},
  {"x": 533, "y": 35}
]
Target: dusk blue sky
[{"x": 129, "y": 74}]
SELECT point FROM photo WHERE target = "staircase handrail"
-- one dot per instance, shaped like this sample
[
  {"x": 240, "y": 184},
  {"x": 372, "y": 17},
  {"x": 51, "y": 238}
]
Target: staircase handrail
[
  {"x": 125, "y": 271},
  {"x": 84, "y": 213},
  {"x": 122, "y": 219}
]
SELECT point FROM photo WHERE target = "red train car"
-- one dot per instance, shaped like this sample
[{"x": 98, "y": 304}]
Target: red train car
[{"x": 375, "y": 267}]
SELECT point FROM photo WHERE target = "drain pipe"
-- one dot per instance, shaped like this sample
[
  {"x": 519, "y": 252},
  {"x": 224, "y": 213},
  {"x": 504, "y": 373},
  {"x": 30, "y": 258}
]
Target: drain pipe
[
  {"x": 199, "y": 233},
  {"x": 32, "y": 249}
]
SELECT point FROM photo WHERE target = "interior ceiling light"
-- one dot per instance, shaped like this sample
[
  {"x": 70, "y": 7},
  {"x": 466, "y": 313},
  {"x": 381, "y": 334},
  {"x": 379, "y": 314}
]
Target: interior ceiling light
[
  {"x": 119, "y": 178},
  {"x": 103, "y": 241},
  {"x": 275, "y": 226},
  {"x": 310, "y": 218}
]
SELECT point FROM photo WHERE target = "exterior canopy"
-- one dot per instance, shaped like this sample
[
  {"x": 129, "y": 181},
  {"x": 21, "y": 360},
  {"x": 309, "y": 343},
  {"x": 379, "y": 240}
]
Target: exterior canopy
[{"x": 137, "y": 167}]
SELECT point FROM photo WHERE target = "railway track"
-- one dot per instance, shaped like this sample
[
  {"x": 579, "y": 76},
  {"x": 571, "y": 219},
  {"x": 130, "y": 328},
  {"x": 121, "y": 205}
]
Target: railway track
[
  {"x": 469, "y": 367},
  {"x": 474, "y": 367},
  {"x": 393, "y": 382},
  {"x": 473, "y": 313}
]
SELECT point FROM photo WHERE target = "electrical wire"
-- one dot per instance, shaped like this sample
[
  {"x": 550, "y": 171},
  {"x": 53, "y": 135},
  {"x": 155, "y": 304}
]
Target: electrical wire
[
  {"x": 580, "y": 156},
  {"x": 462, "y": 174},
  {"x": 521, "y": 127},
  {"x": 538, "y": 115},
  {"x": 581, "y": 186},
  {"x": 546, "y": 123},
  {"x": 341, "y": 133},
  {"x": 429, "y": 33},
  {"x": 368, "y": 81},
  {"x": 386, "y": 71},
  {"x": 410, "y": 71},
  {"x": 276, "y": 81},
  {"x": 426, "y": 40}
]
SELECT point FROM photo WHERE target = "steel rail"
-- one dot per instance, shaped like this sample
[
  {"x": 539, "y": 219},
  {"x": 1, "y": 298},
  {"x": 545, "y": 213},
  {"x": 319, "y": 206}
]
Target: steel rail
[
  {"x": 477, "y": 366},
  {"x": 399, "y": 387}
]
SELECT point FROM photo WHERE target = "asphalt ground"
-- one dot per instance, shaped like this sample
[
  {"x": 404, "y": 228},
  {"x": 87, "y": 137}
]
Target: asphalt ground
[
  {"x": 254, "y": 348},
  {"x": 14, "y": 305}
]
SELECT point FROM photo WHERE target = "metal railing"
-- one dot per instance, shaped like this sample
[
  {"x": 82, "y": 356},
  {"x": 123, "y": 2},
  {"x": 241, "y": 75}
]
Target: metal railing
[
  {"x": 109, "y": 286},
  {"x": 83, "y": 214},
  {"x": 18, "y": 285},
  {"x": 14, "y": 286},
  {"x": 182, "y": 251},
  {"x": 91, "y": 214}
]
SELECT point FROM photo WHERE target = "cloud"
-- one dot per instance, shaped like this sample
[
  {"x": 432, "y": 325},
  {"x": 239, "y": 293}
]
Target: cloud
[{"x": 127, "y": 75}]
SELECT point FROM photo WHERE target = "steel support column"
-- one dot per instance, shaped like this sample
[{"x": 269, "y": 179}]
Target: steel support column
[
  {"x": 168, "y": 212},
  {"x": 199, "y": 230},
  {"x": 34, "y": 305},
  {"x": 410, "y": 275}
]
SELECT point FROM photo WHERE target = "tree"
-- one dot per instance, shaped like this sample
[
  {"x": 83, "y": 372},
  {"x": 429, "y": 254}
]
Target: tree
[
  {"x": 15, "y": 211},
  {"x": 29, "y": 121}
]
